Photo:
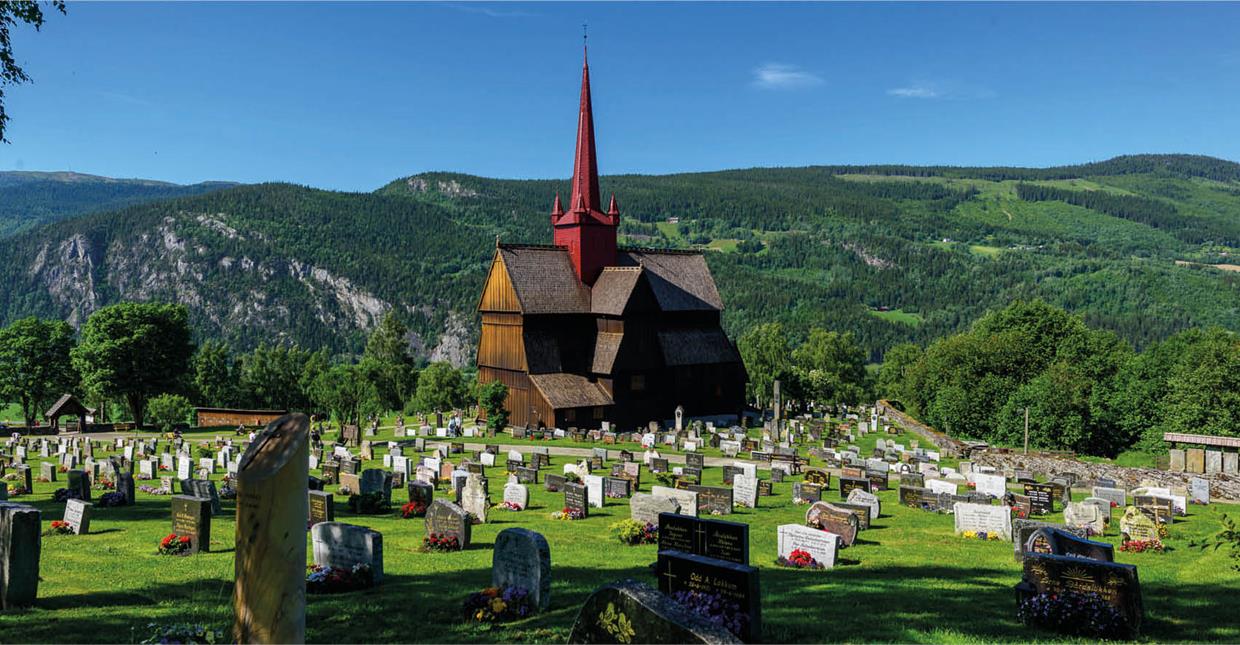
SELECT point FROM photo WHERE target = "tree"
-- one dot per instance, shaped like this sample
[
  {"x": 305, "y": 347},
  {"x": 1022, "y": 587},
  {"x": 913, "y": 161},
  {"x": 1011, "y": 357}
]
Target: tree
[
  {"x": 898, "y": 363},
  {"x": 1204, "y": 389},
  {"x": 135, "y": 351},
  {"x": 765, "y": 351},
  {"x": 388, "y": 365},
  {"x": 168, "y": 410},
  {"x": 279, "y": 378},
  {"x": 37, "y": 368},
  {"x": 491, "y": 397},
  {"x": 217, "y": 375},
  {"x": 13, "y": 12},
  {"x": 831, "y": 368},
  {"x": 441, "y": 387},
  {"x": 343, "y": 392}
]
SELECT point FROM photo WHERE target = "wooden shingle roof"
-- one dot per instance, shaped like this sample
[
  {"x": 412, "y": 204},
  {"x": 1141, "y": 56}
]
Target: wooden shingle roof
[
  {"x": 606, "y": 347},
  {"x": 68, "y": 405},
  {"x": 543, "y": 279},
  {"x": 613, "y": 288},
  {"x": 680, "y": 280},
  {"x": 570, "y": 391}
]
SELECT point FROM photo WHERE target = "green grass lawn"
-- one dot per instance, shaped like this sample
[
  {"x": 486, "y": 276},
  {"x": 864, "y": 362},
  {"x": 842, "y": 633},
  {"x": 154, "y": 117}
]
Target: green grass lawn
[
  {"x": 725, "y": 245},
  {"x": 985, "y": 251},
  {"x": 907, "y": 579},
  {"x": 898, "y": 316}
]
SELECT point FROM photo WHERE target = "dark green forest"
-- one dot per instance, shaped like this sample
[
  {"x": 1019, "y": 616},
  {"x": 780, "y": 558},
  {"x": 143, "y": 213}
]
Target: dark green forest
[{"x": 890, "y": 254}]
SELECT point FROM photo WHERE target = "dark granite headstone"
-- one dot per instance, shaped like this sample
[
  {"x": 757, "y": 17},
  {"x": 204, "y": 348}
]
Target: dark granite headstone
[
  {"x": 20, "y": 546},
  {"x": 1115, "y": 583},
  {"x": 575, "y": 498},
  {"x": 1041, "y": 498},
  {"x": 712, "y": 500},
  {"x": 444, "y": 519},
  {"x": 711, "y": 538},
  {"x": 628, "y": 612},
  {"x": 738, "y": 583},
  {"x": 848, "y": 484},
  {"x": 192, "y": 516},
  {"x": 554, "y": 483}
]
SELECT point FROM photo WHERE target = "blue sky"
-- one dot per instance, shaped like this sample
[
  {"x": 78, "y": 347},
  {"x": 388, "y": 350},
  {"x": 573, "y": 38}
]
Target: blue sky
[{"x": 352, "y": 96}]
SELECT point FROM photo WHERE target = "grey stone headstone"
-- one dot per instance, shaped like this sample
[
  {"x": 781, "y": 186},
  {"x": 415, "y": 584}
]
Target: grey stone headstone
[
  {"x": 1214, "y": 462},
  {"x": 20, "y": 546},
  {"x": 522, "y": 558},
  {"x": 337, "y": 544},
  {"x": 77, "y": 514},
  {"x": 645, "y": 508},
  {"x": 204, "y": 488}
]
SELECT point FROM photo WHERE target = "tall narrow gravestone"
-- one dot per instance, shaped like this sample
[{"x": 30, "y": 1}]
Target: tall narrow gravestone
[
  {"x": 522, "y": 558},
  {"x": 19, "y": 554},
  {"x": 270, "y": 563}
]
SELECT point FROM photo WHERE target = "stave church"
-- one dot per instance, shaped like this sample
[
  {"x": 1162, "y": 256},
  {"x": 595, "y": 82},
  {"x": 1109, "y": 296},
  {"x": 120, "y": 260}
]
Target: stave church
[{"x": 585, "y": 331}]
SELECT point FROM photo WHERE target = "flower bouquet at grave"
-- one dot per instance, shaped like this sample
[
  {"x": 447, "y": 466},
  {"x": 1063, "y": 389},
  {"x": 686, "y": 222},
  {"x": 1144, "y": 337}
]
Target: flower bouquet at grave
[
  {"x": 164, "y": 468},
  {"x": 508, "y": 506},
  {"x": 1142, "y": 546},
  {"x": 371, "y": 503},
  {"x": 568, "y": 514},
  {"x": 103, "y": 483},
  {"x": 227, "y": 492},
  {"x": 184, "y": 633},
  {"x": 321, "y": 579},
  {"x": 61, "y": 495},
  {"x": 174, "y": 544},
  {"x": 572, "y": 477},
  {"x": 62, "y": 469},
  {"x": 59, "y": 527},
  {"x": 714, "y": 608},
  {"x": 108, "y": 500},
  {"x": 633, "y": 533},
  {"x": 411, "y": 510},
  {"x": 154, "y": 490},
  {"x": 1075, "y": 614},
  {"x": 799, "y": 559},
  {"x": 438, "y": 542},
  {"x": 981, "y": 535},
  {"x": 17, "y": 490},
  {"x": 498, "y": 604}
]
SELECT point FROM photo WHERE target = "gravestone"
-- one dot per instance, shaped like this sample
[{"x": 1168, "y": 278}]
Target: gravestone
[
  {"x": 445, "y": 519},
  {"x": 993, "y": 485},
  {"x": 204, "y": 488},
  {"x": 20, "y": 546},
  {"x": 616, "y": 487},
  {"x": 553, "y": 483},
  {"x": 1041, "y": 498},
  {"x": 1116, "y": 495},
  {"x": 1214, "y": 462},
  {"x": 712, "y": 500},
  {"x": 1115, "y": 583},
  {"x": 849, "y": 484},
  {"x": 192, "y": 516},
  {"x": 79, "y": 485},
  {"x": 807, "y": 492},
  {"x": 646, "y": 508},
  {"x": 270, "y": 556},
  {"x": 375, "y": 480},
  {"x": 628, "y": 612},
  {"x": 1136, "y": 525},
  {"x": 522, "y": 558},
  {"x": 1022, "y": 529},
  {"x": 322, "y": 507},
  {"x": 474, "y": 498},
  {"x": 337, "y": 544},
  {"x": 77, "y": 514},
  {"x": 745, "y": 491},
  {"x": 983, "y": 518},
  {"x": 1195, "y": 461},
  {"x": 1176, "y": 460},
  {"x": 47, "y": 470},
  {"x": 1160, "y": 509},
  {"x": 594, "y": 490},
  {"x": 737, "y": 583},
  {"x": 576, "y": 498},
  {"x": 866, "y": 499},
  {"x": 833, "y": 519},
  {"x": 687, "y": 499},
  {"x": 821, "y": 545},
  {"x": 711, "y": 538},
  {"x": 421, "y": 492},
  {"x": 1060, "y": 542},
  {"x": 518, "y": 494},
  {"x": 1086, "y": 516},
  {"x": 1199, "y": 490}
]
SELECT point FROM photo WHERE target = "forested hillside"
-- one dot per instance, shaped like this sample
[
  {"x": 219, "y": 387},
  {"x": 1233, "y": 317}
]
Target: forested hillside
[
  {"x": 890, "y": 253},
  {"x": 28, "y": 199}
]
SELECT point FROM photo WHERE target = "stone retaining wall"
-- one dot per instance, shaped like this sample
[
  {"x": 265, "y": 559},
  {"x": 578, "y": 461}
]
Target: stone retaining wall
[{"x": 948, "y": 446}]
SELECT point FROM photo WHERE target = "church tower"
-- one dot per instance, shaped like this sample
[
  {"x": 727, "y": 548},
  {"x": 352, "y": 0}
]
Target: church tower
[{"x": 584, "y": 228}]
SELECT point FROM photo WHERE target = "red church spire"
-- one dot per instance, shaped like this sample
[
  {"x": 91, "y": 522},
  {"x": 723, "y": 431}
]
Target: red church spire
[
  {"x": 585, "y": 231},
  {"x": 585, "y": 167}
]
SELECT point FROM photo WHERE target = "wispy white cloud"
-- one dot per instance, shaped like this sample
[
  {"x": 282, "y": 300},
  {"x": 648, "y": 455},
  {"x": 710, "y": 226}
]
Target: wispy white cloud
[
  {"x": 941, "y": 90},
  {"x": 777, "y": 76},
  {"x": 489, "y": 10}
]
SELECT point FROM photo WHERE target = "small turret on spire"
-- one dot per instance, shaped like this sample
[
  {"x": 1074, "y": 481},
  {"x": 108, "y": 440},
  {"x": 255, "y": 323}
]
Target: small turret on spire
[
  {"x": 557, "y": 208},
  {"x": 612, "y": 208}
]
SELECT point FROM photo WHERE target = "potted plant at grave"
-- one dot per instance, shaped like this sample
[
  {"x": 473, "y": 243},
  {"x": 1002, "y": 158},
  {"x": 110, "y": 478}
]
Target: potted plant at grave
[
  {"x": 59, "y": 527},
  {"x": 1075, "y": 614},
  {"x": 108, "y": 500},
  {"x": 413, "y": 509},
  {"x": 799, "y": 559},
  {"x": 498, "y": 604},
  {"x": 440, "y": 542},
  {"x": 634, "y": 533},
  {"x": 371, "y": 503},
  {"x": 174, "y": 544},
  {"x": 568, "y": 514},
  {"x": 323, "y": 579}
]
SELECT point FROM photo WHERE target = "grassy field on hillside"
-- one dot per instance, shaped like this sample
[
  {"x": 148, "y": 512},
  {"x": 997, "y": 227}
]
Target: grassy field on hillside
[
  {"x": 898, "y": 316},
  {"x": 907, "y": 579}
]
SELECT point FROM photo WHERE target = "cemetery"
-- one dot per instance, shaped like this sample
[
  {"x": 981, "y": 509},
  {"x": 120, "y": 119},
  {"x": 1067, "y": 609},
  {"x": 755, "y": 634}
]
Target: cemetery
[{"x": 812, "y": 530}]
